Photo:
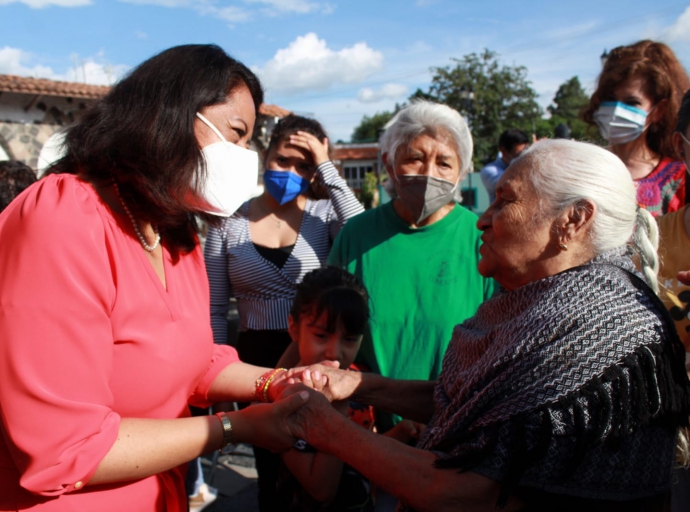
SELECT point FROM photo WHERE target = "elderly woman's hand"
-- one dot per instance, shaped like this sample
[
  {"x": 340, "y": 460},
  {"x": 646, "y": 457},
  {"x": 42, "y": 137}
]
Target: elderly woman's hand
[
  {"x": 268, "y": 424},
  {"x": 310, "y": 421},
  {"x": 326, "y": 378}
]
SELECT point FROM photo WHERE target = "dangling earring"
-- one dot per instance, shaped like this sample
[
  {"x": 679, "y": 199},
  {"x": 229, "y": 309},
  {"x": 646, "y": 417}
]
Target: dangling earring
[{"x": 562, "y": 246}]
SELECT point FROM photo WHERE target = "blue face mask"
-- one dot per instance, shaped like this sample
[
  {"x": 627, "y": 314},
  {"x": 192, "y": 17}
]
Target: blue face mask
[{"x": 284, "y": 186}]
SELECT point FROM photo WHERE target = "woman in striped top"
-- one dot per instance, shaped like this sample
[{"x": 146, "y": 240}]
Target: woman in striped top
[{"x": 264, "y": 250}]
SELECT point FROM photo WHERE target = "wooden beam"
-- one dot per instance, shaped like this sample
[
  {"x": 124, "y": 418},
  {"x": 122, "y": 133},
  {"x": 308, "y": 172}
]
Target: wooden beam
[{"x": 32, "y": 103}]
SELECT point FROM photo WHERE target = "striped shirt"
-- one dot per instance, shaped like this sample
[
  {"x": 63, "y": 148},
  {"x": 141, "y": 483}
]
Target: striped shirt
[{"x": 263, "y": 291}]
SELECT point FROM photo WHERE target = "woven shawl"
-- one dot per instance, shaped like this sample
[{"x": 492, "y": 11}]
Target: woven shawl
[{"x": 587, "y": 359}]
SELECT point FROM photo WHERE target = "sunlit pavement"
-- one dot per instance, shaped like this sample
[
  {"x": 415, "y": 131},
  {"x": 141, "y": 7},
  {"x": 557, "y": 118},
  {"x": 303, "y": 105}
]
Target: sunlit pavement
[{"x": 234, "y": 476}]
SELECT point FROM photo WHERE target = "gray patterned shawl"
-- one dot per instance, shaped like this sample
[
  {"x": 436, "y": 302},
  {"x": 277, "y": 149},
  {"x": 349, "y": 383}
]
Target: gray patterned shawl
[{"x": 563, "y": 385}]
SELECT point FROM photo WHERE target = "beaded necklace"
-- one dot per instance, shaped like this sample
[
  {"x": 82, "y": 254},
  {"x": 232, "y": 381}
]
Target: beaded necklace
[{"x": 140, "y": 235}]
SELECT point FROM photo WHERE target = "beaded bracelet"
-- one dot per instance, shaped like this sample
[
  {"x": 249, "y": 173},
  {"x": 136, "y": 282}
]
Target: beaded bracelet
[
  {"x": 263, "y": 382},
  {"x": 259, "y": 385},
  {"x": 268, "y": 382}
]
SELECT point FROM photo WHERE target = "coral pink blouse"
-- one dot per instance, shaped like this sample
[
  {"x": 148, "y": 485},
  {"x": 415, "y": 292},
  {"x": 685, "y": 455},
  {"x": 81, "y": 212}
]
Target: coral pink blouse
[{"x": 89, "y": 335}]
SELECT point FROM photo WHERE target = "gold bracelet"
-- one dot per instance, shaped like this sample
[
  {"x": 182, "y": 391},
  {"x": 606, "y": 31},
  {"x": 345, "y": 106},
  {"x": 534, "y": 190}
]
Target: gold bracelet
[
  {"x": 228, "y": 436},
  {"x": 268, "y": 383},
  {"x": 259, "y": 385}
]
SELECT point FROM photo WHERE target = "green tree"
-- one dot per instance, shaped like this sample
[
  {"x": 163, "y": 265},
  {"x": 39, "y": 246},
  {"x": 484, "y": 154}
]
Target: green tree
[
  {"x": 369, "y": 190},
  {"x": 567, "y": 104},
  {"x": 491, "y": 96},
  {"x": 370, "y": 128}
]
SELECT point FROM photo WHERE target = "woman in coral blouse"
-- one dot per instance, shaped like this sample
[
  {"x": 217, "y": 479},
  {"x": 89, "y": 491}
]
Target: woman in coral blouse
[{"x": 105, "y": 336}]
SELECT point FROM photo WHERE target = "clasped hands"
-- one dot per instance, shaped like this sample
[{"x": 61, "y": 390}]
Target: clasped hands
[{"x": 317, "y": 385}]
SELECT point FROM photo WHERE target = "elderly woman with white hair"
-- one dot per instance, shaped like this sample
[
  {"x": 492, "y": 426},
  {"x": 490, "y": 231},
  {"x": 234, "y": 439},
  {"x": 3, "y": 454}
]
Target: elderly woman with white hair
[
  {"x": 418, "y": 254},
  {"x": 566, "y": 390}
]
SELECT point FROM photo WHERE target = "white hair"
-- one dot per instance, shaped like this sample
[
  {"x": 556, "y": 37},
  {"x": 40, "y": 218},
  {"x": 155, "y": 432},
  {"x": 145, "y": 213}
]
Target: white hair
[
  {"x": 567, "y": 173},
  {"x": 423, "y": 117}
]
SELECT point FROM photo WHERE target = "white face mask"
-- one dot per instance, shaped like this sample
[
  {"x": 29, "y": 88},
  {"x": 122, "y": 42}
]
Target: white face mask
[
  {"x": 620, "y": 123},
  {"x": 231, "y": 174}
]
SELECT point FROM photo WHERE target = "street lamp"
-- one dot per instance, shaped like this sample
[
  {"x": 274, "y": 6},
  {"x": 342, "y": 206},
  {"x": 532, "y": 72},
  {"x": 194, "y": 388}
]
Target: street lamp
[{"x": 603, "y": 57}]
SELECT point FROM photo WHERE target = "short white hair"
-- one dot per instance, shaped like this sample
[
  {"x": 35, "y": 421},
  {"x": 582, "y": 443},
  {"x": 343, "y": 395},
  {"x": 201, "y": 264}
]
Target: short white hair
[
  {"x": 566, "y": 172},
  {"x": 423, "y": 117}
]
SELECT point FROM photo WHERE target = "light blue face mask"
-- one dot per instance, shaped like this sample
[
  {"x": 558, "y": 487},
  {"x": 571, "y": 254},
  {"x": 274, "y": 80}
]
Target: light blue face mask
[
  {"x": 620, "y": 123},
  {"x": 284, "y": 186}
]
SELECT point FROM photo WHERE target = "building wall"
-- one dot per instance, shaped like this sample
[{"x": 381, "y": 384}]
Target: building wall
[{"x": 23, "y": 141}]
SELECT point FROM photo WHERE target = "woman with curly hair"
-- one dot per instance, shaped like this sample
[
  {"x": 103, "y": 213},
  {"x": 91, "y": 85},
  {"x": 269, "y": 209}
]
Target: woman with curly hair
[{"x": 635, "y": 107}]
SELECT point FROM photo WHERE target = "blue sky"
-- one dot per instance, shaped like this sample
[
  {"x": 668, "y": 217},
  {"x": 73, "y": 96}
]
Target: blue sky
[{"x": 335, "y": 59}]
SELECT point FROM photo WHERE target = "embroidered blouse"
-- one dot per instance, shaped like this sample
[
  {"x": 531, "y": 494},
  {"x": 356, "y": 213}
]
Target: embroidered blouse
[{"x": 663, "y": 190}]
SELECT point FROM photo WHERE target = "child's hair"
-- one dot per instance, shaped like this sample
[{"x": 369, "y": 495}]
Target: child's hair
[
  {"x": 292, "y": 124},
  {"x": 336, "y": 292}
]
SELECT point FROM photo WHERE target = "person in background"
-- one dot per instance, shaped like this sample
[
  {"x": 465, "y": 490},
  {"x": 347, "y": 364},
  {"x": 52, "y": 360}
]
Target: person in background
[
  {"x": 674, "y": 287},
  {"x": 260, "y": 254},
  {"x": 327, "y": 321},
  {"x": 15, "y": 177},
  {"x": 105, "y": 342},
  {"x": 566, "y": 391},
  {"x": 635, "y": 107},
  {"x": 674, "y": 239},
  {"x": 417, "y": 254},
  {"x": 562, "y": 131},
  {"x": 510, "y": 144}
]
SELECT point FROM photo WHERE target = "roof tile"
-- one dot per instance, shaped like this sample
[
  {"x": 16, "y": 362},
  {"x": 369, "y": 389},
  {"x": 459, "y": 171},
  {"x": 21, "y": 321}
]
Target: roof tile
[{"x": 45, "y": 87}]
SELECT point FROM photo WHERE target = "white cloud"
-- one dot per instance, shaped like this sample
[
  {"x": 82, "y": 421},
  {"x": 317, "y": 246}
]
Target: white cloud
[
  {"x": 40, "y": 4},
  {"x": 235, "y": 14},
  {"x": 92, "y": 70},
  {"x": 387, "y": 92},
  {"x": 230, "y": 14},
  {"x": 296, "y": 6},
  {"x": 165, "y": 3},
  {"x": 12, "y": 63},
  {"x": 680, "y": 30},
  {"x": 308, "y": 64},
  {"x": 95, "y": 73}
]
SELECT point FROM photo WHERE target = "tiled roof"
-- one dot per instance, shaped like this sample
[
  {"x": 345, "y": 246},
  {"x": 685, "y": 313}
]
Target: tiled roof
[
  {"x": 20, "y": 84},
  {"x": 356, "y": 151},
  {"x": 44, "y": 87},
  {"x": 273, "y": 110}
]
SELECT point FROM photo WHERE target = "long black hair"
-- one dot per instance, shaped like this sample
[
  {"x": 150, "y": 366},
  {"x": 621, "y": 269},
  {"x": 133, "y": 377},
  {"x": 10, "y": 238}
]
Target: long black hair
[
  {"x": 336, "y": 292},
  {"x": 142, "y": 134}
]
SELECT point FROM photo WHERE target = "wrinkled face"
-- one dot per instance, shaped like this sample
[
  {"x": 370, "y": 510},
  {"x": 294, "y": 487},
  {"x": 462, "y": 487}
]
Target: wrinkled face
[
  {"x": 234, "y": 119},
  {"x": 286, "y": 157},
  {"x": 428, "y": 156},
  {"x": 316, "y": 344},
  {"x": 516, "y": 242}
]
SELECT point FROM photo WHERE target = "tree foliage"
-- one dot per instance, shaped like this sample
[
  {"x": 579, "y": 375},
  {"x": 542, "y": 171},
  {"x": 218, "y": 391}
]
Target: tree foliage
[
  {"x": 569, "y": 100},
  {"x": 371, "y": 127},
  {"x": 491, "y": 96}
]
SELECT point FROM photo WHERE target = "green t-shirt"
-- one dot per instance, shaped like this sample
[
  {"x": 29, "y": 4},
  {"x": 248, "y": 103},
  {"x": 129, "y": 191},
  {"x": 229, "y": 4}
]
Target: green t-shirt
[{"x": 422, "y": 282}]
